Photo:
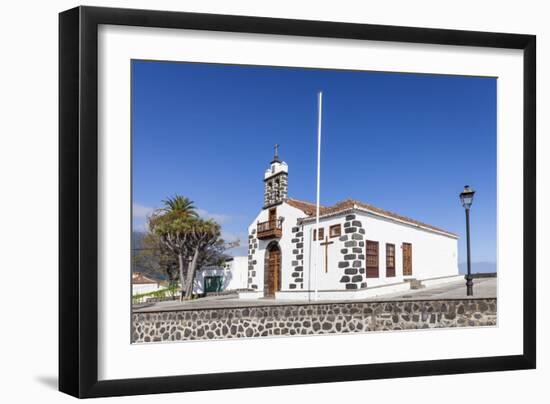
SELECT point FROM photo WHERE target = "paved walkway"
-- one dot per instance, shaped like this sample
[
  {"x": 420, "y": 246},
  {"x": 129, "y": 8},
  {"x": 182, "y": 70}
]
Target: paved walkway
[{"x": 483, "y": 288}]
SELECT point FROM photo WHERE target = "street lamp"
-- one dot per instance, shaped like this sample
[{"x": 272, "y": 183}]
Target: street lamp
[{"x": 466, "y": 198}]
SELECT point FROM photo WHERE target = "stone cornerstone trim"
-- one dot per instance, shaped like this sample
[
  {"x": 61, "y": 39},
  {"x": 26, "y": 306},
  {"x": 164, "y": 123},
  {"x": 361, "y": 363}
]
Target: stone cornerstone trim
[
  {"x": 252, "y": 260},
  {"x": 309, "y": 319},
  {"x": 297, "y": 275},
  {"x": 352, "y": 260}
]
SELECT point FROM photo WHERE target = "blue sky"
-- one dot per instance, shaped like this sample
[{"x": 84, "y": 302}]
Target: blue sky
[{"x": 404, "y": 142}]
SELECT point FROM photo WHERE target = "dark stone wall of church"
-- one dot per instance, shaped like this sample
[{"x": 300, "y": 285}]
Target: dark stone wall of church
[
  {"x": 352, "y": 261},
  {"x": 297, "y": 275},
  {"x": 311, "y": 319},
  {"x": 276, "y": 189},
  {"x": 252, "y": 260}
]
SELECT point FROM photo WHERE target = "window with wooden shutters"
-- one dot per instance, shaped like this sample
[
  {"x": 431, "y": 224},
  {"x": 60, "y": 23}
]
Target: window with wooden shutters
[
  {"x": 321, "y": 234},
  {"x": 407, "y": 259},
  {"x": 390, "y": 260},
  {"x": 335, "y": 230},
  {"x": 372, "y": 259}
]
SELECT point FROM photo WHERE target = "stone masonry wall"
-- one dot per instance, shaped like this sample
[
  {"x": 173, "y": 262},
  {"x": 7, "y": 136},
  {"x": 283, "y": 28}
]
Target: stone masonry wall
[
  {"x": 276, "y": 189},
  {"x": 252, "y": 260},
  {"x": 297, "y": 275},
  {"x": 352, "y": 261},
  {"x": 309, "y": 319}
]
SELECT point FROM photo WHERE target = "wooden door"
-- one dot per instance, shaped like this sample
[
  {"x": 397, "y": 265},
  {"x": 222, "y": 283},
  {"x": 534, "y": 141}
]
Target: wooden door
[
  {"x": 407, "y": 259},
  {"x": 272, "y": 281},
  {"x": 372, "y": 259},
  {"x": 272, "y": 216}
]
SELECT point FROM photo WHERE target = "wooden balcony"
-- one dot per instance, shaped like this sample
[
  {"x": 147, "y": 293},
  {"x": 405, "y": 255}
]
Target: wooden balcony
[{"x": 270, "y": 229}]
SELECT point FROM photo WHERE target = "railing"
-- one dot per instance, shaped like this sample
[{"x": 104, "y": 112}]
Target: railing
[{"x": 271, "y": 228}]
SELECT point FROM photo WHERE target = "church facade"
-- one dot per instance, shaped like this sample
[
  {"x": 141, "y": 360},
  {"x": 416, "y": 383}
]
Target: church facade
[{"x": 362, "y": 250}]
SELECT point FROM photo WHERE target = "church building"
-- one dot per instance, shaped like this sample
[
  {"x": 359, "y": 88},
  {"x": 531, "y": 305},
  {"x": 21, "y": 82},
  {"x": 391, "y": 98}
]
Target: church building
[{"x": 363, "y": 251}]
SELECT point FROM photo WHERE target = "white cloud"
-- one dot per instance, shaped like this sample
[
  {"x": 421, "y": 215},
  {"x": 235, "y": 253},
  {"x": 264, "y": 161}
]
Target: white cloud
[
  {"x": 220, "y": 218},
  {"x": 230, "y": 237},
  {"x": 238, "y": 251},
  {"x": 140, "y": 227},
  {"x": 140, "y": 211}
]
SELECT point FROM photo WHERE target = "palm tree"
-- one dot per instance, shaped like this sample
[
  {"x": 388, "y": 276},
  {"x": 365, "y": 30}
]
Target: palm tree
[
  {"x": 180, "y": 205},
  {"x": 172, "y": 224}
]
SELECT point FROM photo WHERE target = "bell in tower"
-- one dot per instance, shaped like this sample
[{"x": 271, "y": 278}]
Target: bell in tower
[{"x": 276, "y": 181}]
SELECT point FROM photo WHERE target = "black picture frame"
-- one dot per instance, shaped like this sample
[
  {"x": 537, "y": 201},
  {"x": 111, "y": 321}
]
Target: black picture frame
[{"x": 78, "y": 206}]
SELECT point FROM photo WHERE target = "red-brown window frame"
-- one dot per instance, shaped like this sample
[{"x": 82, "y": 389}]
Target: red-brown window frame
[
  {"x": 371, "y": 270},
  {"x": 272, "y": 214},
  {"x": 407, "y": 273},
  {"x": 335, "y": 227},
  {"x": 390, "y": 265},
  {"x": 321, "y": 234}
]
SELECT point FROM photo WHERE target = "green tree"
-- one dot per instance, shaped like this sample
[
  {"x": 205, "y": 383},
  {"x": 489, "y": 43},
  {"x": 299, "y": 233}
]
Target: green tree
[
  {"x": 181, "y": 205},
  {"x": 150, "y": 257},
  {"x": 193, "y": 240},
  {"x": 203, "y": 237}
]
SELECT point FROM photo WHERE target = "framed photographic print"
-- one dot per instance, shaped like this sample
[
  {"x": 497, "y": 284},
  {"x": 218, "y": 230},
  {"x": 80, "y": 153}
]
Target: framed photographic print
[{"x": 269, "y": 201}]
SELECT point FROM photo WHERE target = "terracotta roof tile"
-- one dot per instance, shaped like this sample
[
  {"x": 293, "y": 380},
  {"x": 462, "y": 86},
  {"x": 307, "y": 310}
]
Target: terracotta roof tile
[
  {"x": 138, "y": 277},
  {"x": 309, "y": 209}
]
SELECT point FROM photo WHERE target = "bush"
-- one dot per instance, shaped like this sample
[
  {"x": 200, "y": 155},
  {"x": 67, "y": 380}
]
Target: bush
[{"x": 161, "y": 293}]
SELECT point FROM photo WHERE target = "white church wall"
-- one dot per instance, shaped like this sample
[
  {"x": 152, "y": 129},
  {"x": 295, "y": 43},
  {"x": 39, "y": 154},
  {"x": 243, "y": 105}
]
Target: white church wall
[
  {"x": 256, "y": 258},
  {"x": 239, "y": 273},
  {"x": 340, "y": 266},
  {"x": 250, "y": 295},
  {"x": 328, "y": 277},
  {"x": 433, "y": 255}
]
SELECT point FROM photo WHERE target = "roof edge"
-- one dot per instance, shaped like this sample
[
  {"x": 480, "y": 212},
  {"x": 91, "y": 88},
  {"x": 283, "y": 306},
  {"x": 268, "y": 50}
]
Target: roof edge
[{"x": 411, "y": 222}]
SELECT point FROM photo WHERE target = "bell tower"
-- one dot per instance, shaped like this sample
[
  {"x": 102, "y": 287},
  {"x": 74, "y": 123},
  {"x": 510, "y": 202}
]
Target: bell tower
[{"x": 276, "y": 181}]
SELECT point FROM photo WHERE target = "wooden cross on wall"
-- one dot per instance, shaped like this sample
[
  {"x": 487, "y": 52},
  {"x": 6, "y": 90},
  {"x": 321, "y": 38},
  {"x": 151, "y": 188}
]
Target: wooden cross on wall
[{"x": 326, "y": 243}]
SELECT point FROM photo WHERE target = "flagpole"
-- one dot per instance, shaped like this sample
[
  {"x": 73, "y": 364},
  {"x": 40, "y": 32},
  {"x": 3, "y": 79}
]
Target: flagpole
[{"x": 319, "y": 119}]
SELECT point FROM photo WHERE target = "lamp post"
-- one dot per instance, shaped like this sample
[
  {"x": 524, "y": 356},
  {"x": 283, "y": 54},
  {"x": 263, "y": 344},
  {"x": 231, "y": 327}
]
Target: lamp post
[{"x": 467, "y": 197}]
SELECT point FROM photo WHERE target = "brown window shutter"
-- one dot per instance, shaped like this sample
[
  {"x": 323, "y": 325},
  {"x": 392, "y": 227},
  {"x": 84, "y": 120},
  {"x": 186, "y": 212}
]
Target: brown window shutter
[
  {"x": 372, "y": 259},
  {"x": 390, "y": 260}
]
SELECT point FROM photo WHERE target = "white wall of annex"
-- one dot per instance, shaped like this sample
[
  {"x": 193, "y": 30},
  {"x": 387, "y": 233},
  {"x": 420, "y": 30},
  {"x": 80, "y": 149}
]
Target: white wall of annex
[
  {"x": 234, "y": 275},
  {"x": 328, "y": 277},
  {"x": 433, "y": 255},
  {"x": 138, "y": 288},
  {"x": 239, "y": 273}
]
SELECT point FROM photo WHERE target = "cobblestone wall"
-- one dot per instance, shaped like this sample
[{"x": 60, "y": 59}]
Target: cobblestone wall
[
  {"x": 307, "y": 319},
  {"x": 297, "y": 275},
  {"x": 352, "y": 262},
  {"x": 252, "y": 260}
]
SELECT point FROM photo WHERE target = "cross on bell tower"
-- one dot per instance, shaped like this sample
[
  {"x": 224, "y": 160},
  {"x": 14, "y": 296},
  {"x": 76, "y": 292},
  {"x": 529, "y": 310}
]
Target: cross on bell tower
[
  {"x": 276, "y": 155},
  {"x": 276, "y": 181}
]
